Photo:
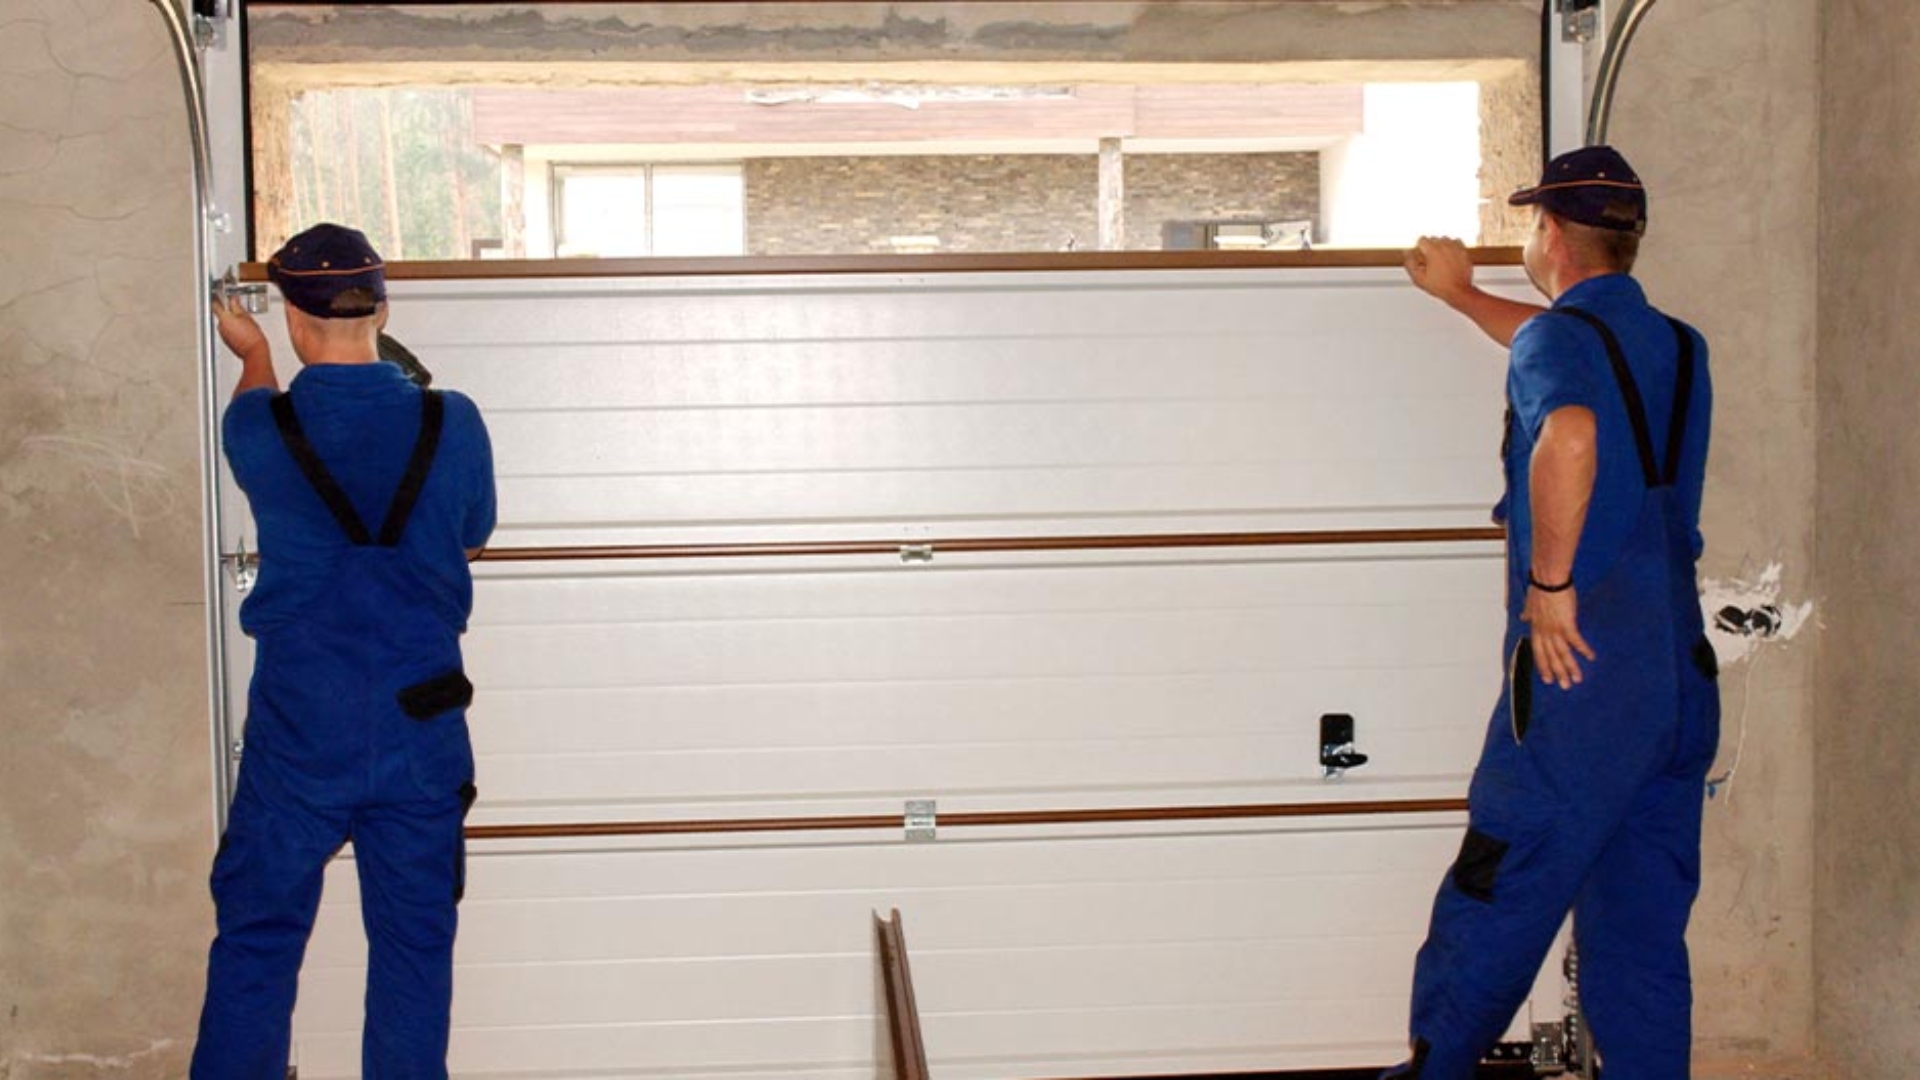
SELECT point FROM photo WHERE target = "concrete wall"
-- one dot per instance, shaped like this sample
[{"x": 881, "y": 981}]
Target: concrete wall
[
  {"x": 1718, "y": 109},
  {"x": 1868, "y": 689},
  {"x": 105, "y": 811},
  {"x": 104, "y": 835}
]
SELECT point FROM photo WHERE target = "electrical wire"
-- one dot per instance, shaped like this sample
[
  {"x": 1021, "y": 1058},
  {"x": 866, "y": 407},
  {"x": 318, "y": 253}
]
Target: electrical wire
[{"x": 1715, "y": 784}]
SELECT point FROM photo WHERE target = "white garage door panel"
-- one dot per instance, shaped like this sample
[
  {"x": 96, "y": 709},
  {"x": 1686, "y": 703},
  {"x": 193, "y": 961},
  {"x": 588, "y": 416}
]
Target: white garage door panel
[
  {"x": 530, "y": 724},
  {"x": 1426, "y": 493},
  {"x": 643, "y": 411},
  {"x": 1104, "y": 437},
  {"x": 986, "y": 368},
  {"x": 1277, "y": 935},
  {"x": 908, "y": 408},
  {"x": 897, "y": 682},
  {"x": 943, "y": 307}
]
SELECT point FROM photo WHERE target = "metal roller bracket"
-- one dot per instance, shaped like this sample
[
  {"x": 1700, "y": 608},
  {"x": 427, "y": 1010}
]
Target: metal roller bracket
[
  {"x": 243, "y": 566},
  {"x": 252, "y": 296}
]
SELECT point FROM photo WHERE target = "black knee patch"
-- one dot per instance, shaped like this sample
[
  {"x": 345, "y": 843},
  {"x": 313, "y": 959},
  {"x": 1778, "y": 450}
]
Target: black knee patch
[{"x": 1478, "y": 865}]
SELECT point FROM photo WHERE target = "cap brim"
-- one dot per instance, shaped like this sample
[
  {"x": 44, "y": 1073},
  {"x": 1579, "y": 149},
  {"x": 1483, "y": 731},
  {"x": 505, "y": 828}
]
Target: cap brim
[{"x": 1524, "y": 197}]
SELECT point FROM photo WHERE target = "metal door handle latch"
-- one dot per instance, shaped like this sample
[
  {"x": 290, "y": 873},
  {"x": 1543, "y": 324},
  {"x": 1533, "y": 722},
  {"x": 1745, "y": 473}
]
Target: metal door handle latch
[{"x": 1337, "y": 752}]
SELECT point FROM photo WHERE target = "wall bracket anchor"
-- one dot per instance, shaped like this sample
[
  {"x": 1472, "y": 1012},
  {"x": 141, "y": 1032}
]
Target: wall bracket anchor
[{"x": 1579, "y": 20}]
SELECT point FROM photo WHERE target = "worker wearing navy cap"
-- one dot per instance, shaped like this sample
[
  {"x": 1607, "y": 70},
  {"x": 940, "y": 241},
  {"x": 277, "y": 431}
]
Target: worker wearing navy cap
[
  {"x": 1589, "y": 790},
  {"x": 370, "y": 494}
]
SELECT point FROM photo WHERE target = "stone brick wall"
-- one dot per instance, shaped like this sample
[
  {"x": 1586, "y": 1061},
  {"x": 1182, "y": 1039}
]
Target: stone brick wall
[
  {"x": 1188, "y": 187},
  {"x": 1035, "y": 202}
]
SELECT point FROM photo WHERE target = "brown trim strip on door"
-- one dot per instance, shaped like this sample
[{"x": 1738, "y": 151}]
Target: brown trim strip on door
[
  {"x": 974, "y": 819},
  {"x": 978, "y": 545},
  {"x": 984, "y": 262}
]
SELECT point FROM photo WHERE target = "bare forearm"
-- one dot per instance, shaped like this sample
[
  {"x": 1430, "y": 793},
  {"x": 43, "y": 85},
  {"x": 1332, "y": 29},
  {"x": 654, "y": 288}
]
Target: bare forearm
[
  {"x": 1561, "y": 488},
  {"x": 1496, "y": 316},
  {"x": 256, "y": 371},
  {"x": 1442, "y": 267},
  {"x": 242, "y": 337}
]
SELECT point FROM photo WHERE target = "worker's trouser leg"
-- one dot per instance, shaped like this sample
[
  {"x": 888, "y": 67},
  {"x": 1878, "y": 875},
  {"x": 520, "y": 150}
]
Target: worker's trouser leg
[
  {"x": 409, "y": 860},
  {"x": 266, "y": 889},
  {"x": 1560, "y": 772},
  {"x": 1630, "y": 921}
]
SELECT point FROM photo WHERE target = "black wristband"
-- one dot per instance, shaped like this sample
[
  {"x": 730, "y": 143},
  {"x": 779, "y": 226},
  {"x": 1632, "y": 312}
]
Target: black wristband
[{"x": 1544, "y": 587}]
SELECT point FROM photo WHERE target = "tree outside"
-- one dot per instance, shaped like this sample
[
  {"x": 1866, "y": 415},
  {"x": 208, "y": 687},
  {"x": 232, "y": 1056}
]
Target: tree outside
[{"x": 399, "y": 164}]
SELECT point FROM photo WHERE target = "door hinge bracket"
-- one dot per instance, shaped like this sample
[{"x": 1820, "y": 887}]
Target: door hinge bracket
[
  {"x": 243, "y": 566},
  {"x": 922, "y": 821}
]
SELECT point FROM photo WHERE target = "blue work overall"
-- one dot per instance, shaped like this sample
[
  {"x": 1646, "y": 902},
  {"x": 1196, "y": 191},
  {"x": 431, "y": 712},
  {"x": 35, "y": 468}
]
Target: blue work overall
[
  {"x": 356, "y": 730},
  {"x": 1587, "y": 799}
]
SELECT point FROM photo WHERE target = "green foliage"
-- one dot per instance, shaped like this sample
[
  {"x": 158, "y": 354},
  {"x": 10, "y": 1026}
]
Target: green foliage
[{"x": 346, "y": 144}]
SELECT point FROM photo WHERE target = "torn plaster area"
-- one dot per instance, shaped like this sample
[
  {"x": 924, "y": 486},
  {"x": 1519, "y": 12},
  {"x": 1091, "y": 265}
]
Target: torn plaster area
[{"x": 1743, "y": 614}]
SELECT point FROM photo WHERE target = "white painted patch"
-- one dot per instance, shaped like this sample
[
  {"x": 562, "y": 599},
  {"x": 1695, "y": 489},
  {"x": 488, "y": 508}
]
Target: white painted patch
[
  {"x": 1776, "y": 623},
  {"x": 98, "y": 1061},
  {"x": 1747, "y": 595}
]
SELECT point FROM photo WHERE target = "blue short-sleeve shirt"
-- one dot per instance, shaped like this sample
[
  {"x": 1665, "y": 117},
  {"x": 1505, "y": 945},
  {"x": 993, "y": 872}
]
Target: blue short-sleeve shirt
[
  {"x": 362, "y": 420},
  {"x": 1558, "y": 361}
]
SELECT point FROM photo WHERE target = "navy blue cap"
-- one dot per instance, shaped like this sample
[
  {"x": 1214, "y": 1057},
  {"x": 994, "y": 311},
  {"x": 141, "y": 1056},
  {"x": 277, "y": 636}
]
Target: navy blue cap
[
  {"x": 316, "y": 268},
  {"x": 1594, "y": 186}
]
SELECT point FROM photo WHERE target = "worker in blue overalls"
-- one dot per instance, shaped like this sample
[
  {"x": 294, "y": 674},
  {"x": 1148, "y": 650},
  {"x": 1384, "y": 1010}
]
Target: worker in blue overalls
[
  {"x": 370, "y": 494},
  {"x": 1590, "y": 786}
]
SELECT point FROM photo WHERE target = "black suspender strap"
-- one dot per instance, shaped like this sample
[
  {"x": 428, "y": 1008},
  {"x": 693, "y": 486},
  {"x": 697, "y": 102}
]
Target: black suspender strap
[
  {"x": 1682, "y": 399},
  {"x": 1629, "y": 392},
  {"x": 322, "y": 481},
  {"x": 432, "y": 415}
]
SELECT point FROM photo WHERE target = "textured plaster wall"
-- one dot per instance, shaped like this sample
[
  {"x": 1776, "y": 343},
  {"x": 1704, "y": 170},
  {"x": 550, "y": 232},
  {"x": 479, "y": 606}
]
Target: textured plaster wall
[
  {"x": 1868, "y": 690},
  {"x": 105, "y": 812},
  {"x": 1718, "y": 109},
  {"x": 1509, "y": 154}
]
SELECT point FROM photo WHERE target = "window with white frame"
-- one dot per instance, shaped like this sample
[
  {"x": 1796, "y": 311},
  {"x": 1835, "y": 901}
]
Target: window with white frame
[{"x": 615, "y": 211}]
